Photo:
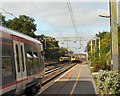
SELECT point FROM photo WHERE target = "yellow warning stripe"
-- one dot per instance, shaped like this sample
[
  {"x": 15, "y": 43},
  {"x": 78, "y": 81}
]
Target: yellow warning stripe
[{"x": 76, "y": 82}]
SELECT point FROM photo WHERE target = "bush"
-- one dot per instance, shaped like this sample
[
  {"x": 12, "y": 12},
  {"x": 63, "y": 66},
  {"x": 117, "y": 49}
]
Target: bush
[
  {"x": 108, "y": 83},
  {"x": 106, "y": 67},
  {"x": 100, "y": 64},
  {"x": 96, "y": 67}
]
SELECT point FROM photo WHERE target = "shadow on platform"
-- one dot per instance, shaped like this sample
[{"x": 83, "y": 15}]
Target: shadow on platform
[{"x": 81, "y": 88}]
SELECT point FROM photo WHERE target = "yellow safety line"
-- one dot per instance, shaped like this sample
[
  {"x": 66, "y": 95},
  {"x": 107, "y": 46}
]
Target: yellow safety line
[{"x": 76, "y": 82}]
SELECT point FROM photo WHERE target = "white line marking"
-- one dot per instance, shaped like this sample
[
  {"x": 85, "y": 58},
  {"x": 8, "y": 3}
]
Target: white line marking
[{"x": 43, "y": 89}]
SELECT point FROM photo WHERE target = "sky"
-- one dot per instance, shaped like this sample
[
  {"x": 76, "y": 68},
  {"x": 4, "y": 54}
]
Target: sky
[{"x": 53, "y": 19}]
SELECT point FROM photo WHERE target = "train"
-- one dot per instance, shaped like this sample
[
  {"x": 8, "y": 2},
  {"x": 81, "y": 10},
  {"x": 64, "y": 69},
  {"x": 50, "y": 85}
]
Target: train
[
  {"x": 64, "y": 59},
  {"x": 73, "y": 59},
  {"x": 21, "y": 63},
  {"x": 76, "y": 59}
]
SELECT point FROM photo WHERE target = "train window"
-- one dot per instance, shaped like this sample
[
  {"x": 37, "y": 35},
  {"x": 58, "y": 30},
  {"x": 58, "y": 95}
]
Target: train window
[
  {"x": 22, "y": 54},
  {"x": 17, "y": 58},
  {"x": 30, "y": 67},
  {"x": 6, "y": 61},
  {"x": 36, "y": 62}
]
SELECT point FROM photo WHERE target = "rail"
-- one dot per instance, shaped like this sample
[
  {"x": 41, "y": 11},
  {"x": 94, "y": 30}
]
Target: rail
[{"x": 54, "y": 71}]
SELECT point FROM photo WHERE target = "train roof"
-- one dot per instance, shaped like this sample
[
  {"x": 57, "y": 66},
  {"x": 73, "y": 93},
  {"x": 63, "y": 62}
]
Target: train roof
[{"x": 13, "y": 32}]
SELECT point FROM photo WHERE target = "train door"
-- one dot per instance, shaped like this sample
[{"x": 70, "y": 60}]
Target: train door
[
  {"x": 23, "y": 64},
  {"x": 19, "y": 55}
]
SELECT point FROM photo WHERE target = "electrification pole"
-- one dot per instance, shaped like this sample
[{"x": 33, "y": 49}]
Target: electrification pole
[
  {"x": 95, "y": 48},
  {"x": 99, "y": 47},
  {"x": 91, "y": 47}
]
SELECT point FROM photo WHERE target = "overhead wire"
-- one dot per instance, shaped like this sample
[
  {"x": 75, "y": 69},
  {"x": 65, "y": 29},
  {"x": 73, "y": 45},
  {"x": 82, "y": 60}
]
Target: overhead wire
[
  {"x": 72, "y": 16},
  {"x": 37, "y": 9},
  {"x": 73, "y": 19},
  {"x": 8, "y": 12}
]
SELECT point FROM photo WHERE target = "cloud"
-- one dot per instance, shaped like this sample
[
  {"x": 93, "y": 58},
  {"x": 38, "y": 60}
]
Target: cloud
[
  {"x": 58, "y": 14},
  {"x": 53, "y": 18}
]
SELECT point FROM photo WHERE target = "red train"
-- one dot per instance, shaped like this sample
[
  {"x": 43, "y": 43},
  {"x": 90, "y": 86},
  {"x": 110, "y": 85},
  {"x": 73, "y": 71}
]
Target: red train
[{"x": 21, "y": 66}]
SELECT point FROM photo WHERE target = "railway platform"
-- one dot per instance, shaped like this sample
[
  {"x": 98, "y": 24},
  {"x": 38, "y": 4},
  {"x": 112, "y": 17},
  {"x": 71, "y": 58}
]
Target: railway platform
[{"x": 76, "y": 81}]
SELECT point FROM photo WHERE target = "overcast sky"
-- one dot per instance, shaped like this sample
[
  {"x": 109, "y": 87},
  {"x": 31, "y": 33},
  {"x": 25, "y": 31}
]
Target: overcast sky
[{"x": 53, "y": 18}]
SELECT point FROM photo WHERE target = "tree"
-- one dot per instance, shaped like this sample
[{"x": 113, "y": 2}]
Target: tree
[
  {"x": 63, "y": 51},
  {"x": 2, "y": 20},
  {"x": 119, "y": 42},
  {"x": 119, "y": 35},
  {"x": 23, "y": 24},
  {"x": 48, "y": 42},
  {"x": 52, "y": 49},
  {"x": 103, "y": 60}
]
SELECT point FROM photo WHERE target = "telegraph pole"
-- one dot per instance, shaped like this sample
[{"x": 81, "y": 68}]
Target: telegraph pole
[{"x": 114, "y": 33}]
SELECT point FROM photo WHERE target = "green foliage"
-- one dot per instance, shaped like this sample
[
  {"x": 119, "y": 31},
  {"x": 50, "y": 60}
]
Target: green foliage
[
  {"x": 96, "y": 67},
  {"x": 63, "y": 51},
  {"x": 100, "y": 59},
  {"x": 100, "y": 63},
  {"x": 105, "y": 44},
  {"x": 119, "y": 36},
  {"x": 102, "y": 35},
  {"x": 52, "y": 49},
  {"x": 119, "y": 41},
  {"x": 108, "y": 83},
  {"x": 23, "y": 24},
  {"x": 2, "y": 20}
]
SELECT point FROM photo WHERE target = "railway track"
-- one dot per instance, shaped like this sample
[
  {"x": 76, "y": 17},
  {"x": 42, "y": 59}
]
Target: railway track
[{"x": 54, "y": 71}]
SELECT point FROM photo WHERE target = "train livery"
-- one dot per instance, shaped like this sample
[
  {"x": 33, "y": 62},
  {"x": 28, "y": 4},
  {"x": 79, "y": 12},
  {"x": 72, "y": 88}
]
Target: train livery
[
  {"x": 22, "y": 68},
  {"x": 64, "y": 59},
  {"x": 78, "y": 57}
]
